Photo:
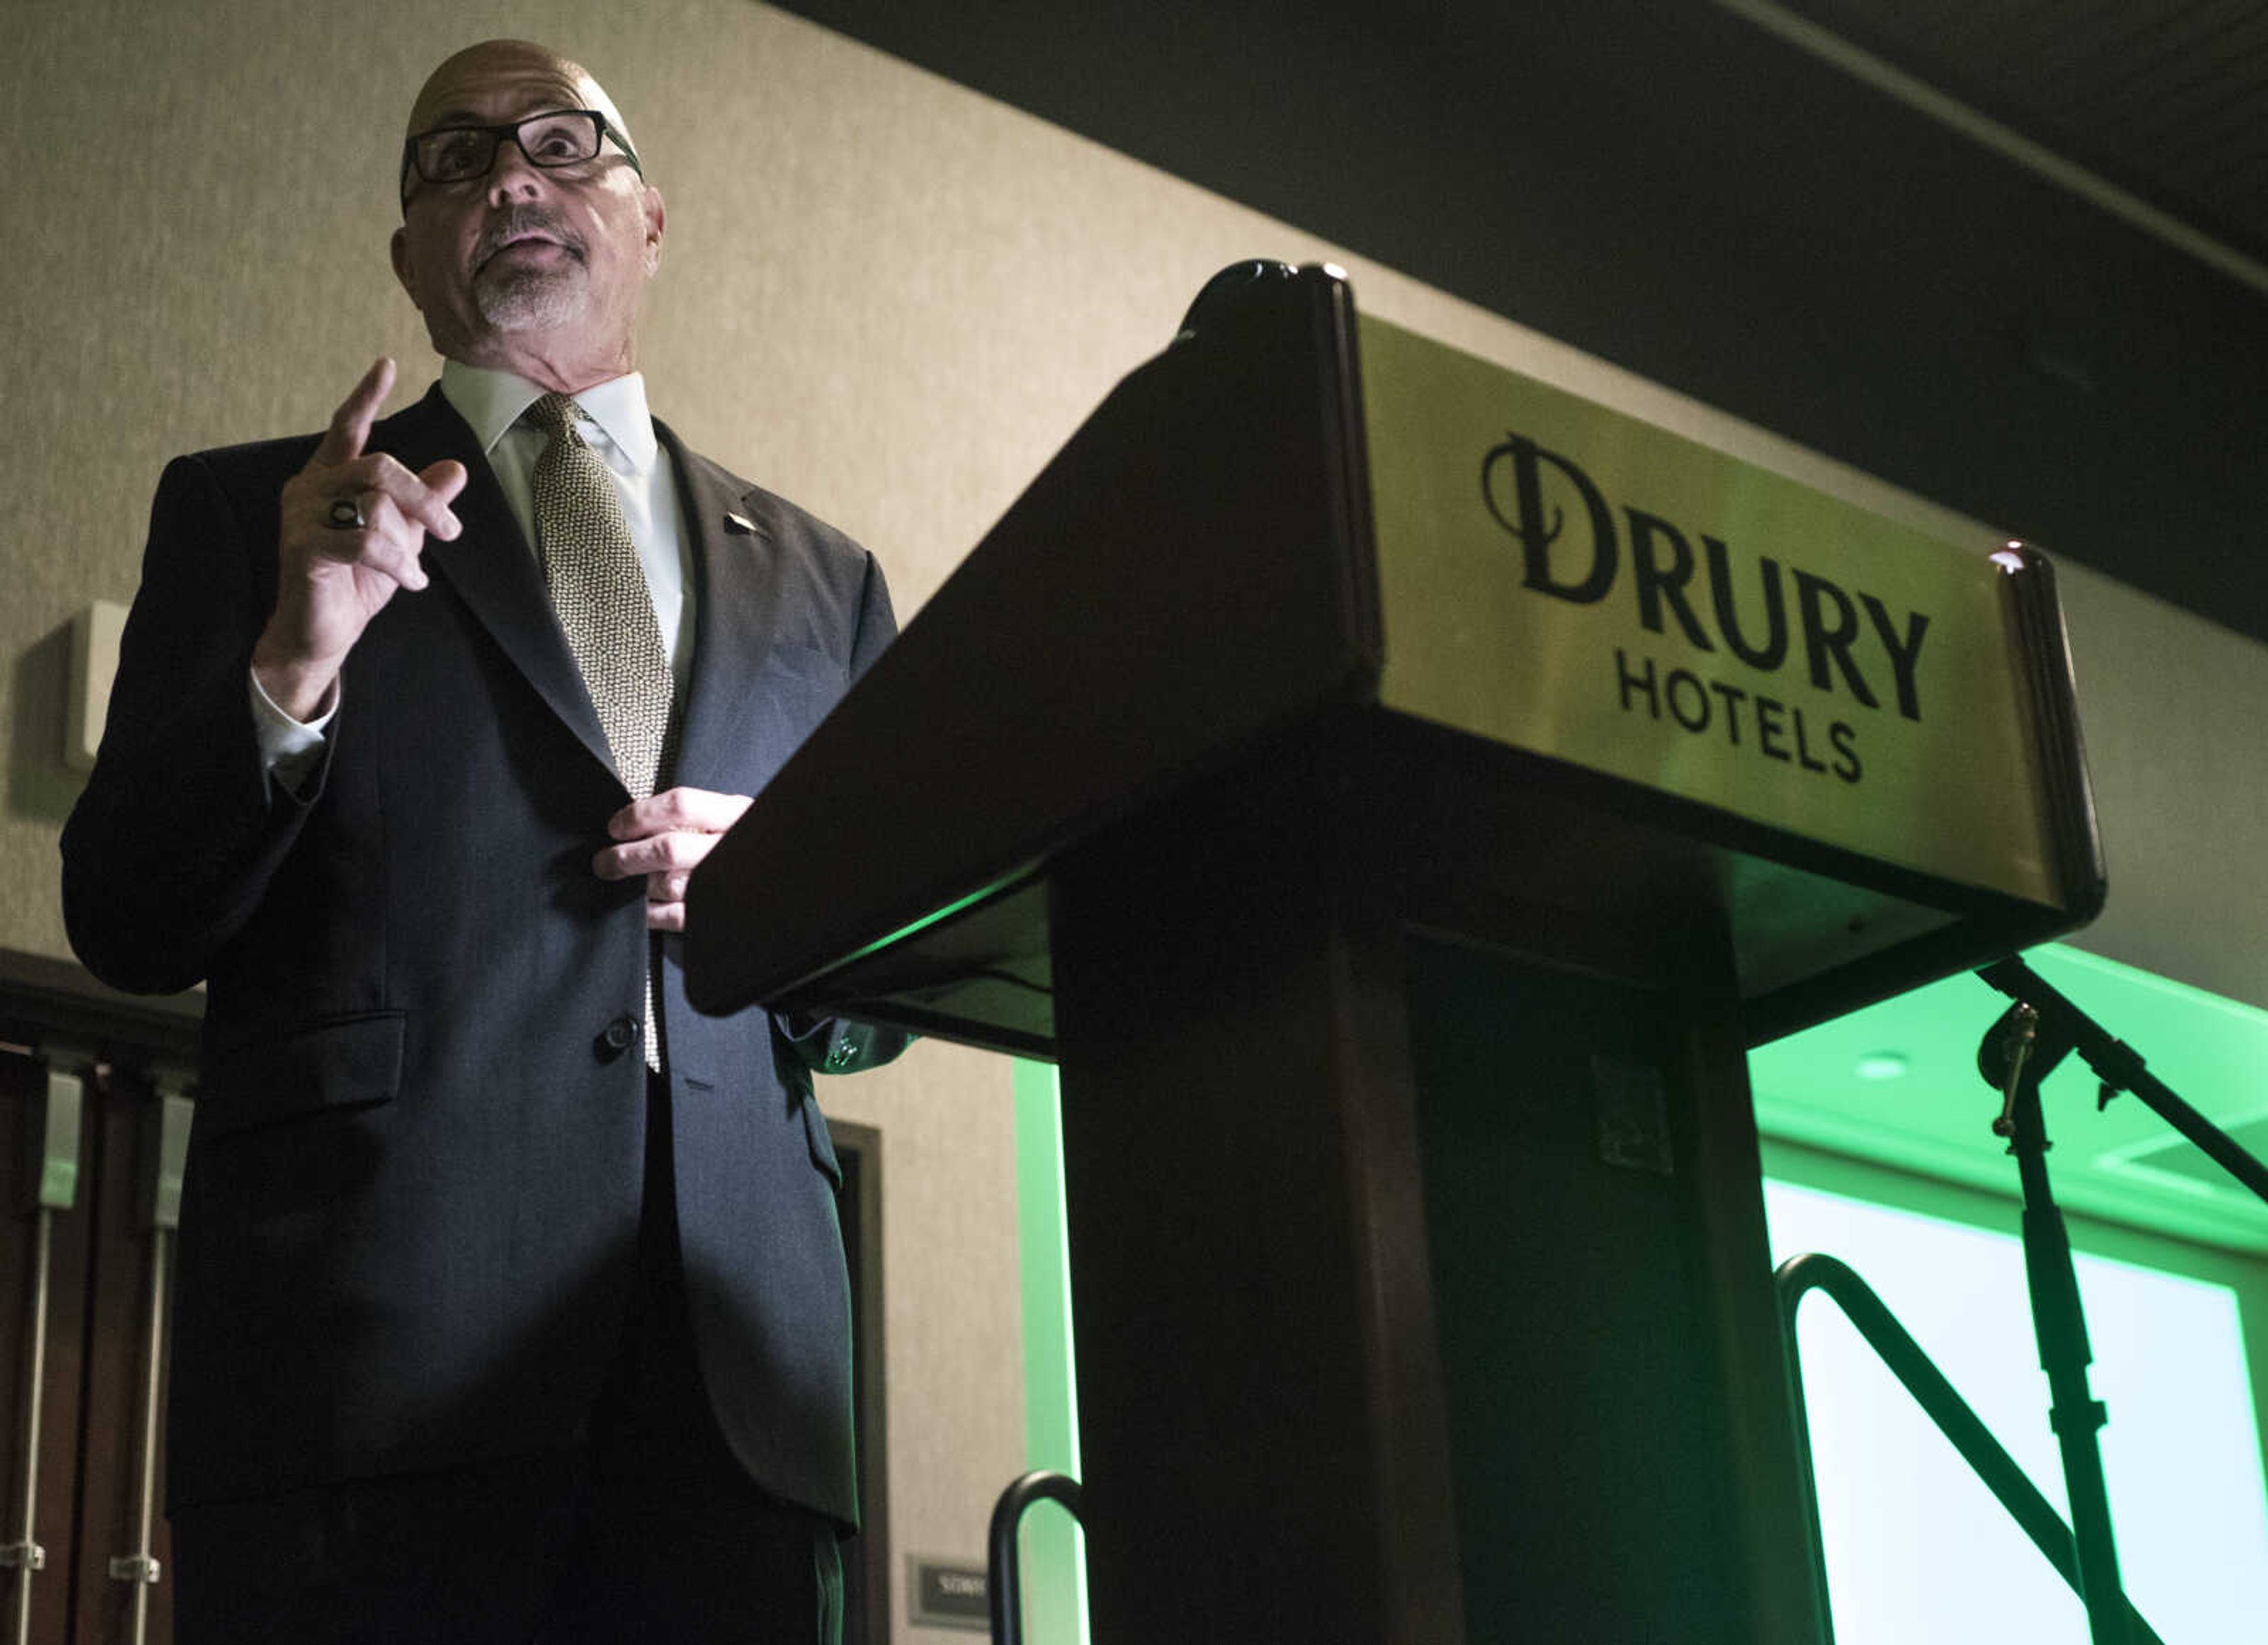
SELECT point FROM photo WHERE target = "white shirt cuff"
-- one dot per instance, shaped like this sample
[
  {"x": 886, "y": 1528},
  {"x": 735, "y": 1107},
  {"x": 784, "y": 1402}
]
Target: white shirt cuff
[{"x": 290, "y": 748}]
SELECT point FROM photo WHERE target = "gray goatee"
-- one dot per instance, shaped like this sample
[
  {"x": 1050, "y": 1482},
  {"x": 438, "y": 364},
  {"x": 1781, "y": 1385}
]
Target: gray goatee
[{"x": 516, "y": 298}]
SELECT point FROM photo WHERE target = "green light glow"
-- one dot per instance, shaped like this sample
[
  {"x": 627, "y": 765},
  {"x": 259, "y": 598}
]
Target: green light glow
[
  {"x": 2124, "y": 1163},
  {"x": 1054, "y": 1560},
  {"x": 936, "y": 917}
]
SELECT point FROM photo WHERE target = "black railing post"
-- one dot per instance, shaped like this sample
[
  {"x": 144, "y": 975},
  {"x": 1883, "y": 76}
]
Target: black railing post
[
  {"x": 1003, "y": 1580},
  {"x": 1920, "y": 1378}
]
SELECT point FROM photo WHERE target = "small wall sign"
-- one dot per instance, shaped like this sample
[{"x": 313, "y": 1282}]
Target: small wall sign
[{"x": 947, "y": 1594}]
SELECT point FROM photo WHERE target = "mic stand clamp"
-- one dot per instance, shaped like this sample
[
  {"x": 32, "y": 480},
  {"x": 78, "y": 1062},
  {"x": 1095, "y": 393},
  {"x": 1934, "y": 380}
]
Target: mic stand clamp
[{"x": 2116, "y": 1064}]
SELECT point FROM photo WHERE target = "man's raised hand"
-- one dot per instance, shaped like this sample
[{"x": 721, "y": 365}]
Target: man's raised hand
[{"x": 332, "y": 578}]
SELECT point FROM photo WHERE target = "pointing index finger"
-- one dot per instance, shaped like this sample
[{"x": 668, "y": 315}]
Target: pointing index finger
[{"x": 342, "y": 441}]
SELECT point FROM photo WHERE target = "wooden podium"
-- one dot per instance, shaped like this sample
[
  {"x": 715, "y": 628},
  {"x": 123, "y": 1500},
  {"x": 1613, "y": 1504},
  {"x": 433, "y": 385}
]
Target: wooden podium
[{"x": 1397, "y": 793}]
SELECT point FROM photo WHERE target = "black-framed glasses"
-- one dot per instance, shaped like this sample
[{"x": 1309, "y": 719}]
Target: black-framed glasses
[{"x": 555, "y": 139}]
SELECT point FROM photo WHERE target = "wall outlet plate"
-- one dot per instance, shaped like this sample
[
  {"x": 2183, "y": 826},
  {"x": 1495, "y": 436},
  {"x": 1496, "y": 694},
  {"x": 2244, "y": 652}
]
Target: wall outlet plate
[{"x": 94, "y": 666}]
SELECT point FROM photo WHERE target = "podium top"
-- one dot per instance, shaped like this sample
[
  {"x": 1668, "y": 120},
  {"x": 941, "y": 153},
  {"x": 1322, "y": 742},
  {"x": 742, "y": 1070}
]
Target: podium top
[{"x": 1301, "y": 527}]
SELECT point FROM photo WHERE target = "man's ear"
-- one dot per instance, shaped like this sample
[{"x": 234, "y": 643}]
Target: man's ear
[
  {"x": 399, "y": 248},
  {"x": 657, "y": 217}
]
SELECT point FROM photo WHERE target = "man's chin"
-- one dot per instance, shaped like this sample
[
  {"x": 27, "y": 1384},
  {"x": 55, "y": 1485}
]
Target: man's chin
[{"x": 528, "y": 299}]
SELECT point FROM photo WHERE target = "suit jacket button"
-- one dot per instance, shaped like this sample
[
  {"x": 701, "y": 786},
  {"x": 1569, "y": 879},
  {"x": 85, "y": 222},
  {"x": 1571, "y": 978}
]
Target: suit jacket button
[{"x": 617, "y": 1037}]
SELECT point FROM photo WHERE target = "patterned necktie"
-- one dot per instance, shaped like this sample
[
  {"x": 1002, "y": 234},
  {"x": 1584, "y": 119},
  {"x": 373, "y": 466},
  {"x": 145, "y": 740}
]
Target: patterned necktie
[
  {"x": 590, "y": 566},
  {"x": 599, "y": 590}
]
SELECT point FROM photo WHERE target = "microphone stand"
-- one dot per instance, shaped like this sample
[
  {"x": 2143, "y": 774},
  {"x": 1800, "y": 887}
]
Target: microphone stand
[
  {"x": 2058, "y": 1324},
  {"x": 2018, "y": 1051}
]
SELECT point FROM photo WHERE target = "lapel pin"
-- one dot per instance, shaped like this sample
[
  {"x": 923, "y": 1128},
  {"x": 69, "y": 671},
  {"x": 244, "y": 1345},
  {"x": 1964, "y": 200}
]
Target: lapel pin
[{"x": 740, "y": 523}]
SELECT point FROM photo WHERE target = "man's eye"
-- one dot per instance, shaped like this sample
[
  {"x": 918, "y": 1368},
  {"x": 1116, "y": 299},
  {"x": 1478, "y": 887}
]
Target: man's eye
[
  {"x": 557, "y": 143},
  {"x": 457, "y": 154}
]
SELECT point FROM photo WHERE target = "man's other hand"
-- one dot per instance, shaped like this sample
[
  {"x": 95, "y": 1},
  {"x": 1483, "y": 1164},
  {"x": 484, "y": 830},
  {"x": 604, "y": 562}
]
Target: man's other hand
[
  {"x": 664, "y": 839},
  {"x": 333, "y": 578}
]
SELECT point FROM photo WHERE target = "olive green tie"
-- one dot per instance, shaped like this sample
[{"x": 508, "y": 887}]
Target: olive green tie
[{"x": 598, "y": 589}]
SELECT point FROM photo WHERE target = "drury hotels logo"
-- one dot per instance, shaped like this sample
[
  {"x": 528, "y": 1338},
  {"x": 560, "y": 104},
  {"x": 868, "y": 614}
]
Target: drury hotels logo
[
  {"x": 1570, "y": 580},
  {"x": 1847, "y": 663}
]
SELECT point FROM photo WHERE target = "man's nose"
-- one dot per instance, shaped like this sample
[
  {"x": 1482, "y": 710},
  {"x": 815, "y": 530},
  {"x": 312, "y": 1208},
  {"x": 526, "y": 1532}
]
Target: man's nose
[{"x": 512, "y": 174}]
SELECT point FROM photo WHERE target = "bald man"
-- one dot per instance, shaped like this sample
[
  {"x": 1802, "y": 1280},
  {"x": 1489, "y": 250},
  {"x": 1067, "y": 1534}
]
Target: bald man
[{"x": 511, "y": 1298}]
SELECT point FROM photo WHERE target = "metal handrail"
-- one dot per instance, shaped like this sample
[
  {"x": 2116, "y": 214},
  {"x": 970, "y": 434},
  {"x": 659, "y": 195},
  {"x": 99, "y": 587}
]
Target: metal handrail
[
  {"x": 54, "y": 1190},
  {"x": 1002, "y": 1579},
  {"x": 164, "y": 1145},
  {"x": 2033, "y": 1513}
]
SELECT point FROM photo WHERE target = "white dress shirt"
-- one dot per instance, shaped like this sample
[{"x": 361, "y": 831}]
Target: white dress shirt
[{"x": 617, "y": 425}]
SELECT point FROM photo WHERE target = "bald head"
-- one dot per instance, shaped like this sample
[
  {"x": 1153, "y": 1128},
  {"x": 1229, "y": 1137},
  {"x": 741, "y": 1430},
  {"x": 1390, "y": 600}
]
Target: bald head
[{"x": 449, "y": 92}]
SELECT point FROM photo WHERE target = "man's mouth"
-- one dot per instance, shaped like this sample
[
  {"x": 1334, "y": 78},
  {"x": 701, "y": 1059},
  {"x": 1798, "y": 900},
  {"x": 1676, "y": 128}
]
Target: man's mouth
[{"x": 532, "y": 243}]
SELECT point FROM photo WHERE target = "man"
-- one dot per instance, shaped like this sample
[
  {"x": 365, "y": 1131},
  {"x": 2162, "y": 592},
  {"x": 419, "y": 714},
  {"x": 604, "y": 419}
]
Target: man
[{"x": 511, "y": 1298}]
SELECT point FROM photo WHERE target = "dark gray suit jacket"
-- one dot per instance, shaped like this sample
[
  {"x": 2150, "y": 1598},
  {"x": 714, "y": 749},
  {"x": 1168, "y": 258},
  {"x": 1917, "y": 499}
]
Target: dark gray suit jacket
[{"x": 414, "y": 1177}]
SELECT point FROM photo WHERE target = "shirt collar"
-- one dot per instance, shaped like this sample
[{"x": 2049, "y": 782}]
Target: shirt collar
[{"x": 491, "y": 401}]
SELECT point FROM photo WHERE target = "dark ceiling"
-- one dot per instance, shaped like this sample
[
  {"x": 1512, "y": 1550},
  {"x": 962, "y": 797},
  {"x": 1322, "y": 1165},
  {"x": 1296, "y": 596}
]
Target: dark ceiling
[
  {"x": 2166, "y": 99},
  {"x": 1685, "y": 188}
]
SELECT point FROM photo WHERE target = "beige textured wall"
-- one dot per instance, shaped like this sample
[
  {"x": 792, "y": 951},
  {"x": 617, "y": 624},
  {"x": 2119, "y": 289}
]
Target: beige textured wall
[{"x": 881, "y": 295}]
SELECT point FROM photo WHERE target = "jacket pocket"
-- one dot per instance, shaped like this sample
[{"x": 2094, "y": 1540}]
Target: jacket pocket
[
  {"x": 344, "y": 1062},
  {"x": 822, "y": 1143}
]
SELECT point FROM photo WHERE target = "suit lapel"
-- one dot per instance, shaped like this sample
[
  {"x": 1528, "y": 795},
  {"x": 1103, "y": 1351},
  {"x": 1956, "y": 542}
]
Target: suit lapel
[
  {"x": 491, "y": 565},
  {"x": 736, "y": 614}
]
